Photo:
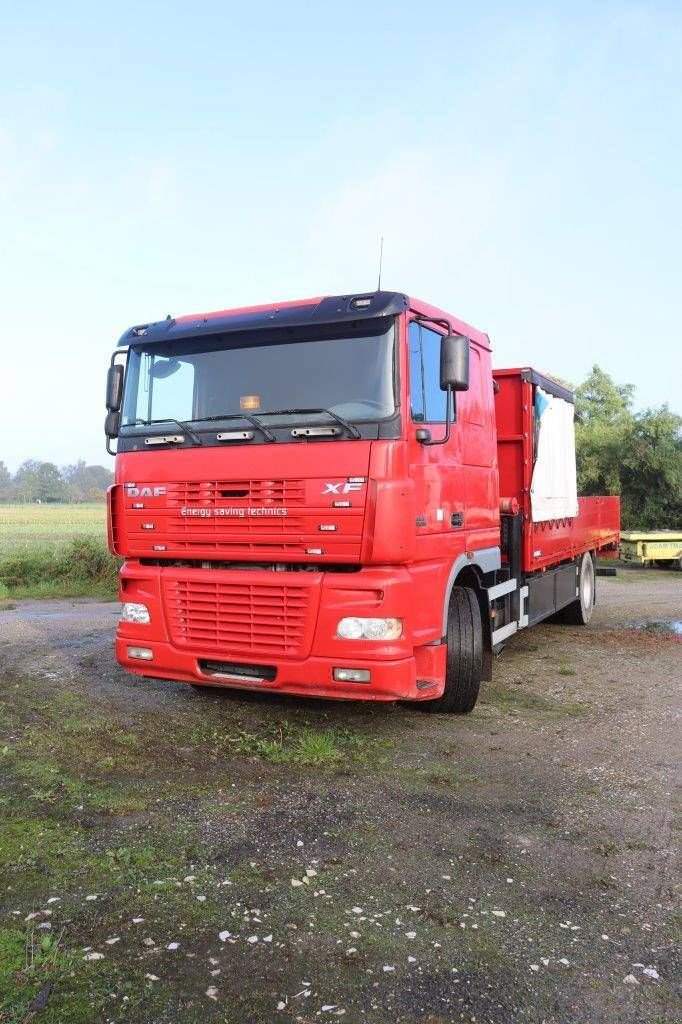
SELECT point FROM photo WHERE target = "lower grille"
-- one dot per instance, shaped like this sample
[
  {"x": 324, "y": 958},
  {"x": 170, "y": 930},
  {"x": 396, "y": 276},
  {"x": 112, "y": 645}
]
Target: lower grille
[
  {"x": 234, "y": 670},
  {"x": 240, "y": 618}
]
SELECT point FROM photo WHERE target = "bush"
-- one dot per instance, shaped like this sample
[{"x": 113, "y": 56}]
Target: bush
[{"x": 82, "y": 559}]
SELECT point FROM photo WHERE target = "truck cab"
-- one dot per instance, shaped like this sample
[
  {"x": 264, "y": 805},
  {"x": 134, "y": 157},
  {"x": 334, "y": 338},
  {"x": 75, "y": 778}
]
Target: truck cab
[{"x": 307, "y": 499}]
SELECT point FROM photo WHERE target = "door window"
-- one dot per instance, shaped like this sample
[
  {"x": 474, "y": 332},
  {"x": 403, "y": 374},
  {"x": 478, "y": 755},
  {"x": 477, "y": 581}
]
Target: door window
[{"x": 427, "y": 400}]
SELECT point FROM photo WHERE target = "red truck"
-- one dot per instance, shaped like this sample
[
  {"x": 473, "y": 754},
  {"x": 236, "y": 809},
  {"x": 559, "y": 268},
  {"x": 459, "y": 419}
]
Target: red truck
[{"x": 338, "y": 497}]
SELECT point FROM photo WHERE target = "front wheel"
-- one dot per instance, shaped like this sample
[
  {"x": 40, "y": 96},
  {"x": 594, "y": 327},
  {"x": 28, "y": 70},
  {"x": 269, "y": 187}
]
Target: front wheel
[
  {"x": 580, "y": 611},
  {"x": 464, "y": 660}
]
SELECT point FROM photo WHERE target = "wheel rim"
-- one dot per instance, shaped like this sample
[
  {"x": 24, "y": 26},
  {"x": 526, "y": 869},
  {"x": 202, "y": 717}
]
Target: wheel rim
[{"x": 588, "y": 583}]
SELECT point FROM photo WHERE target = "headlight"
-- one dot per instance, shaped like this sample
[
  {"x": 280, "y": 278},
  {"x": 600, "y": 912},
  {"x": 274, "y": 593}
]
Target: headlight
[
  {"x": 131, "y": 612},
  {"x": 370, "y": 629}
]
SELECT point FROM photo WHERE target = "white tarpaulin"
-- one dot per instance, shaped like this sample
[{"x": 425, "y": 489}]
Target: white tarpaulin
[{"x": 553, "y": 491}]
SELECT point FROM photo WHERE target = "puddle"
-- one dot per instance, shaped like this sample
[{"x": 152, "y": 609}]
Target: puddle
[{"x": 666, "y": 626}]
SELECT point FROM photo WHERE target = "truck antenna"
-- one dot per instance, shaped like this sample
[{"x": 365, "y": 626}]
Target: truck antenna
[{"x": 381, "y": 256}]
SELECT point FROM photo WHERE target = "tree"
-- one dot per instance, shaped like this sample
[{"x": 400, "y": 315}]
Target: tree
[
  {"x": 39, "y": 481},
  {"x": 635, "y": 455},
  {"x": 5, "y": 482},
  {"x": 603, "y": 423},
  {"x": 651, "y": 472},
  {"x": 600, "y": 398},
  {"x": 86, "y": 483}
]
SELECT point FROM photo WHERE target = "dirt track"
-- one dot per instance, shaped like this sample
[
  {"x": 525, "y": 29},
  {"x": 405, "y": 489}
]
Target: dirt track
[{"x": 518, "y": 864}]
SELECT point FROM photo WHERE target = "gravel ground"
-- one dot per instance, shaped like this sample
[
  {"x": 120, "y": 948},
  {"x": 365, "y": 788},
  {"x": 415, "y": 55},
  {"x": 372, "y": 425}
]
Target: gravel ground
[{"x": 517, "y": 864}]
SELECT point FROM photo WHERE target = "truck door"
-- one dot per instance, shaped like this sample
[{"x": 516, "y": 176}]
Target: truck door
[
  {"x": 479, "y": 452},
  {"x": 436, "y": 469}
]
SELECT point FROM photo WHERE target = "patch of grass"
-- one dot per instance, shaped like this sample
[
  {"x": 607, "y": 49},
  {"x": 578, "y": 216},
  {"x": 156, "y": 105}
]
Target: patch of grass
[
  {"x": 67, "y": 588},
  {"x": 28, "y": 526},
  {"x": 36, "y": 844},
  {"x": 29, "y": 960},
  {"x": 566, "y": 670},
  {"x": 638, "y": 845},
  {"x": 43, "y": 977},
  {"x": 83, "y": 566},
  {"x": 514, "y": 701},
  {"x": 606, "y": 848},
  {"x": 289, "y": 743}
]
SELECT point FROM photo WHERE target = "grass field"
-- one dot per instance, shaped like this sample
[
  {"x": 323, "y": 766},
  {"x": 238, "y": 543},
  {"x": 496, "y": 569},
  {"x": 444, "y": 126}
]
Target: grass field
[
  {"x": 55, "y": 551},
  {"x": 27, "y": 527}
]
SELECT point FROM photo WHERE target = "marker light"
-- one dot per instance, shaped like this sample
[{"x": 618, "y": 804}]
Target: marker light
[
  {"x": 140, "y": 653},
  {"x": 351, "y": 675},
  {"x": 370, "y": 629},
  {"x": 132, "y": 612},
  {"x": 249, "y": 402}
]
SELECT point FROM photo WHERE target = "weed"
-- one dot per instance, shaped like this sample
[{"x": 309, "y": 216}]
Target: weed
[{"x": 606, "y": 848}]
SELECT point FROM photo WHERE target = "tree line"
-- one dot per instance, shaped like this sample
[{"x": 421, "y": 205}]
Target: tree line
[
  {"x": 36, "y": 481},
  {"x": 637, "y": 455}
]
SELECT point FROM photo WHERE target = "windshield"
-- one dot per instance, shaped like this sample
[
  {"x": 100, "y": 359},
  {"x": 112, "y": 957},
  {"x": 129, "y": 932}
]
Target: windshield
[{"x": 351, "y": 375}]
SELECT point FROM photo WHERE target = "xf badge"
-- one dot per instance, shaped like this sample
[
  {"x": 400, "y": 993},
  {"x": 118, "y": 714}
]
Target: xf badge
[{"x": 343, "y": 487}]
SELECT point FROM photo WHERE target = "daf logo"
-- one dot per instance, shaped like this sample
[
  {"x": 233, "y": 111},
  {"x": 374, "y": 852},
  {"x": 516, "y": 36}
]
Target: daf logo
[
  {"x": 343, "y": 488},
  {"x": 133, "y": 491}
]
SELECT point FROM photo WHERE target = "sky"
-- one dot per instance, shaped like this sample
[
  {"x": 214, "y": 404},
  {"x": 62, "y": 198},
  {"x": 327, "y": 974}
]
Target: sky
[{"x": 523, "y": 162}]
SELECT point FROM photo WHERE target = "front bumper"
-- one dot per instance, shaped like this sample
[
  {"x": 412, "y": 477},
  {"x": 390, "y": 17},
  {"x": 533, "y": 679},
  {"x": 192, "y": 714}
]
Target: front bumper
[
  {"x": 312, "y": 677},
  {"x": 399, "y": 670}
]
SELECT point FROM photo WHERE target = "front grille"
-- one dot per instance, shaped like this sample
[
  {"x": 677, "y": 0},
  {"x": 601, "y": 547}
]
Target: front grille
[
  {"x": 250, "y": 492},
  {"x": 246, "y": 525},
  {"x": 239, "y": 618}
]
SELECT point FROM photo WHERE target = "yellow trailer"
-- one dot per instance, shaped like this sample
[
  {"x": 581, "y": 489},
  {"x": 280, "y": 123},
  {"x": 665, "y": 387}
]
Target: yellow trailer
[{"x": 663, "y": 547}]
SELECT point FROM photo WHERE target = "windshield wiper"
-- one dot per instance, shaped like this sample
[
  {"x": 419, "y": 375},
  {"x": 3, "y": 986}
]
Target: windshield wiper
[
  {"x": 169, "y": 419},
  {"x": 253, "y": 420},
  {"x": 350, "y": 427}
]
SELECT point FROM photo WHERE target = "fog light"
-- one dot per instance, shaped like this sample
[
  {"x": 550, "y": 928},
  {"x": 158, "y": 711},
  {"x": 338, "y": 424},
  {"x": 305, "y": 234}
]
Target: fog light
[
  {"x": 132, "y": 612},
  {"x": 351, "y": 675},
  {"x": 370, "y": 629},
  {"x": 141, "y": 653}
]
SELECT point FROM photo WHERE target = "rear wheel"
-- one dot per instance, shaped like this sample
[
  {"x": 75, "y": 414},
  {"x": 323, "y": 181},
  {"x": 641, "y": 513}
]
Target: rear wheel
[
  {"x": 579, "y": 612},
  {"x": 464, "y": 659}
]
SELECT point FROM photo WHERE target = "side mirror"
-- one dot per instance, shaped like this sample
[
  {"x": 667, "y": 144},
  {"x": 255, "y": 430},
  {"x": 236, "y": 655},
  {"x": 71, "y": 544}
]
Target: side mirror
[
  {"x": 114, "y": 388},
  {"x": 112, "y": 424},
  {"x": 454, "y": 362}
]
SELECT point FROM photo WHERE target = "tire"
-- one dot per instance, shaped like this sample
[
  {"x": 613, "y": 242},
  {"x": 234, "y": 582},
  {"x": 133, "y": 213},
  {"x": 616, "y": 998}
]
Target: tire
[
  {"x": 464, "y": 659},
  {"x": 580, "y": 611}
]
